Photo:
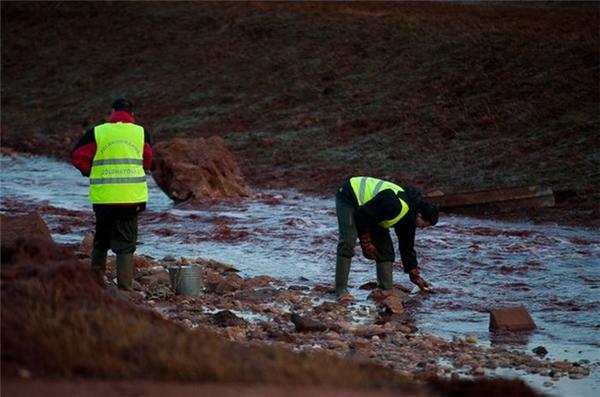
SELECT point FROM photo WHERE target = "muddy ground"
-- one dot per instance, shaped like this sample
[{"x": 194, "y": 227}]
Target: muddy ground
[
  {"x": 445, "y": 96},
  {"x": 57, "y": 323}
]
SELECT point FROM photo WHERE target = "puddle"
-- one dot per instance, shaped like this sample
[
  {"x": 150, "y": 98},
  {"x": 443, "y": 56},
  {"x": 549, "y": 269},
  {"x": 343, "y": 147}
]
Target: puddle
[{"x": 473, "y": 264}]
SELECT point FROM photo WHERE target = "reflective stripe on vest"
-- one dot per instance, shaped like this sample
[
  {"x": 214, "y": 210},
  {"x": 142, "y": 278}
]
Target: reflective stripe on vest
[
  {"x": 117, "y": 175},
  {"x": 365, "y": 188}
]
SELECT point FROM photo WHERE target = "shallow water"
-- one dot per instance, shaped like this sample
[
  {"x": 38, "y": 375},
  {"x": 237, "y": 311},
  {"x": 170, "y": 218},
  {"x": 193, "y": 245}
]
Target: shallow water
[{"x": 473, "y": 264}]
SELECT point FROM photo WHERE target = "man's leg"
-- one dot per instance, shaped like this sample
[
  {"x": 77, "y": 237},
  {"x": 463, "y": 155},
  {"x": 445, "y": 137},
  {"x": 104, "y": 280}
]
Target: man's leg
[
  {"x": 385, "y": 258},
  {"x": 100, "y": 247},
  {"x": 123, "y": 242},
  {"x": 346, "y": 243}
]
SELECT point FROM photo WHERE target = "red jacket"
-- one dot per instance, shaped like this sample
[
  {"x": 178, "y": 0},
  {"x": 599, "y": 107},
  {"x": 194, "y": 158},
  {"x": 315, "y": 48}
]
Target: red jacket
[{"x": 84, "y": 151}]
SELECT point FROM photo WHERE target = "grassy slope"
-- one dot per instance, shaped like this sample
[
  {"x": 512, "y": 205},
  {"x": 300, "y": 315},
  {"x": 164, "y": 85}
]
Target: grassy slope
[{"x": 439, "y": 95}]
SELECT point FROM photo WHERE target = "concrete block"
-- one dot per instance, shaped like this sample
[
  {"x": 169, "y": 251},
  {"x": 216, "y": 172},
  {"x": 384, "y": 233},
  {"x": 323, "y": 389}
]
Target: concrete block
[{"x": 511, "y": 319}]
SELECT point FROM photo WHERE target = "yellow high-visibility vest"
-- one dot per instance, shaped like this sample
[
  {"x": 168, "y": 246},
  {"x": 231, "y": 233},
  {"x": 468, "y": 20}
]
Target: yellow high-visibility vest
[
  {"x": 365, "y": 188},
  {"x": 117, "y": 175}
]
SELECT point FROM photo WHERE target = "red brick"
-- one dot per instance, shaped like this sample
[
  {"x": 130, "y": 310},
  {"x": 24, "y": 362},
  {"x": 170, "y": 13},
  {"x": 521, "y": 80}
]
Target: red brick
[{"x": 511, "y": 319}]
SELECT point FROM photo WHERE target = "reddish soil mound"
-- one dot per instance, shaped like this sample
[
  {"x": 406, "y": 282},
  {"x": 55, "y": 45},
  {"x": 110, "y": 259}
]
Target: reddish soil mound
[{"x": 198, "y": 168}]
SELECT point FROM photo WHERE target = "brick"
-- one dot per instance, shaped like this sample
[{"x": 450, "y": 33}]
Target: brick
[{"x": 511, "y": 319}]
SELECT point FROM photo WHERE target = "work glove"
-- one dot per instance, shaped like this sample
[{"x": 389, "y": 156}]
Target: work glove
[
  {"x": 368, "y": 249},
  {"x": 416, "y": 278}
]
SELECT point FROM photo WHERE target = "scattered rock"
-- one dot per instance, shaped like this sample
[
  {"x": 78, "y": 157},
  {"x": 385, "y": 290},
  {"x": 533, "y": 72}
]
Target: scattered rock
[
  {"x": 306, "y": 324},
  {"x": 562, "y": 365},
  {"x": 368, "y": 286},
  {"x": 540, "y": 351},
  {"x": 230, "y": 284},
  {"x": 226, "y": 318},
  {"x": 236, "y": 333},
  {"x": 511, "y": 319},
  {"x": 24, "y": 373},
  {"x": 393, "y": 304},
  {"x": 87, "y": 244},
  {"x": 472, "y": 339},
  {"x": 142, "y": 261}
]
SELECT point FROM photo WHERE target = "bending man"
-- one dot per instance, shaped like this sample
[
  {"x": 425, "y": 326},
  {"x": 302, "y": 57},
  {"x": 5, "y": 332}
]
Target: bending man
[{"x": 367, "y": 208}]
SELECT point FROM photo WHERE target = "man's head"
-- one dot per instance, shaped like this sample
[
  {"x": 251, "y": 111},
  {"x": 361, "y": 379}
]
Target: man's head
[
  {"x": 122, "y": 104},
  {"x": 427, "y": 214}
]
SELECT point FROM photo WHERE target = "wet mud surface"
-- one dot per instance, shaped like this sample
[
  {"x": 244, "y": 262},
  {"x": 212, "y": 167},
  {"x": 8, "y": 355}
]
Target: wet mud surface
[{"x": 283, "y": 244}]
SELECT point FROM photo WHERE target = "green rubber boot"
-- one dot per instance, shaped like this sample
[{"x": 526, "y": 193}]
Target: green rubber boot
[
  {"x": 342, "y": 271},
  {"x": 98, "y": 262},
  {"x": 384, "y": 275},
  {"x": 125, "y": 271}
]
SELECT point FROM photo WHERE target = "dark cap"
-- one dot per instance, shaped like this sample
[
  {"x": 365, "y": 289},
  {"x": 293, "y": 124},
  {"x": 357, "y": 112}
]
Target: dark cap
[
  {"x": 122, "y": 104},
  {"x": 428, "y": 211}
]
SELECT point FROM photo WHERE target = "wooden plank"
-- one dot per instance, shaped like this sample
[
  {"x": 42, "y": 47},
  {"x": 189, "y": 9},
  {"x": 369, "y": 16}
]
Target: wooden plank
[{"x": 495, "y": 199}]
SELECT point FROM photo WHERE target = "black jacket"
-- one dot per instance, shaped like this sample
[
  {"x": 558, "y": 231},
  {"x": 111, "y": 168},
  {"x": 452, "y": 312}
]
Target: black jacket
[{"x": 385, "y": 205}]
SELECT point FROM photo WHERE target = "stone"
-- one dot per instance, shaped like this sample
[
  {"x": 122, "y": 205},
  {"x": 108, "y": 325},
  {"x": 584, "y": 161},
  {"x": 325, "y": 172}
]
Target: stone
[
  {"x": 478, "y": 371},
  {"x": 141, "y": 262},
  {"x": 212, "y": 281},
  {"x": 511, "y": 319},
  {"x": 472, "y": 339},
  {"x": 198, "y": 168},
  {"x": 540, "y": 351},
  {"x": 306, "y": 324},
  {"x": 160, "y": 277},
  {"x": 548, "y": 384},
  {"x": 380, "y": 295},
  {"x": 562, "y": 365},
  {"x": 87, "y": 244},
  {"x": 232, "y": 283},
  {"x": 226, "y": 318},
  {"x": 236, "y": 333},
  {"x": 371, "y": 285},
  {"x": 393, "y": 304},
  {"x": 24, "y": 373}
]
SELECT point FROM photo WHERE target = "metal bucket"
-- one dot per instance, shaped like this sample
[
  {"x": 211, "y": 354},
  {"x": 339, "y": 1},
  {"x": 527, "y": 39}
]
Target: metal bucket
[{"x": 185, "y": 280}]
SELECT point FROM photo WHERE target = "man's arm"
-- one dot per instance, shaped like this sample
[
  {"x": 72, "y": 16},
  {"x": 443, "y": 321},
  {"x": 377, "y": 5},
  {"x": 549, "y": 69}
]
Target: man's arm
[
  {"x": 83, "y": 153},
  {"x": 406, "y": 243},
  {"x": 148, "y": 152}
]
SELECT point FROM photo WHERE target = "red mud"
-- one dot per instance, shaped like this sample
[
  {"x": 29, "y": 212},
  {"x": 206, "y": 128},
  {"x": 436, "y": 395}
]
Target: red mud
[{"x": 51, "y": 307}]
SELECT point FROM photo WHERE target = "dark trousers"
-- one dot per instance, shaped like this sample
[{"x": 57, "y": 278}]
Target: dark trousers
[
  {"x": 348, "y": 233},
  {"x": 116, "y": 230}
]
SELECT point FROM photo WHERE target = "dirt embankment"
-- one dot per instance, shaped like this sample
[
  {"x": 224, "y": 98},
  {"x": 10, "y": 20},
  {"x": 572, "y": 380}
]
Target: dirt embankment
[{"x": 443, "y": 96}]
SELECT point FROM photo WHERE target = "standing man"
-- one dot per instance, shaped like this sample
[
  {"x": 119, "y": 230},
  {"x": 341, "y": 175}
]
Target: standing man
[
  {"x": 115, "y": 156},
  {"x": 367, "y": 208}
]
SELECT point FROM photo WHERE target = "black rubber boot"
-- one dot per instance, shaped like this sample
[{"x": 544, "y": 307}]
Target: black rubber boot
[
  {"x": 98, "y": 262},
  {"x": 125, "y": 271},
  {"x": 342, "y": 271},
  {"x": 384, "y": 275}
]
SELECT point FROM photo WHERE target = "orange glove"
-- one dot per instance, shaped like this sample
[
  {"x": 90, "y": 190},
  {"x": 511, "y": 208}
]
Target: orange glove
[
  {"x": 368, "y": 249},
  {"x": 416, "y": 278}
]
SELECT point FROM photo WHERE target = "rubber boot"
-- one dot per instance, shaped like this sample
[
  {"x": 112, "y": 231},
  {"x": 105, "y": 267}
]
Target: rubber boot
[
  {"x": 342, "y": 271},
  {"x": 98, "y": 262},
  {"x": 125, "y": 271},
  {"x": 384, "y": 275}
]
